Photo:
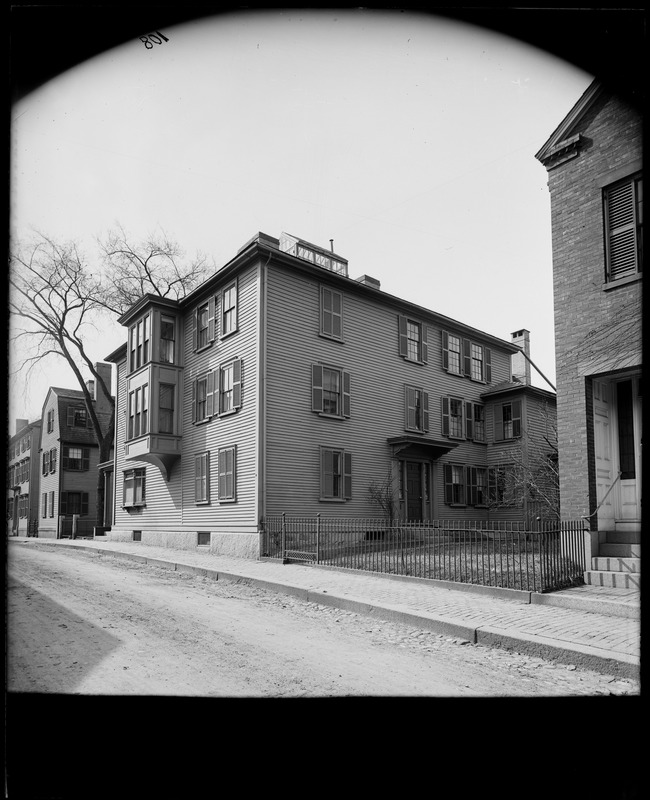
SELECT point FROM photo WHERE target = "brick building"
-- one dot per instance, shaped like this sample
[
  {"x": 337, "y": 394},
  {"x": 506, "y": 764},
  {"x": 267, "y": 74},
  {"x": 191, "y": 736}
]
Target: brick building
[
  {"x": 283, "y": 385},
  {"x": 594, "y": 162},
  {"x": 23, "y": 478}
]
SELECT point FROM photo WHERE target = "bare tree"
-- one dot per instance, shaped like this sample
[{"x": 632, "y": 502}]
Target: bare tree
[
  {"x": 56, "y": 299},
  {"x": 155, "y": 266},
  {"x": 383, "y": 494}
]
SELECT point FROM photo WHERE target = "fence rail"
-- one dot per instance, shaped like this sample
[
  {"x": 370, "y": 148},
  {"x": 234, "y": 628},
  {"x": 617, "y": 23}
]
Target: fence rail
[{"x": 540, "y": 557}]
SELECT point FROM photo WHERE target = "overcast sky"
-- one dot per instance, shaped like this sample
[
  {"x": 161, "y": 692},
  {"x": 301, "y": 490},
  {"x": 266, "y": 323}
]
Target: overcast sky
[{"x": 409, "y": 140}]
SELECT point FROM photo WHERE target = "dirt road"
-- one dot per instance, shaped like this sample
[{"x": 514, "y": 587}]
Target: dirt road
[{"x": 82, "y": 623}]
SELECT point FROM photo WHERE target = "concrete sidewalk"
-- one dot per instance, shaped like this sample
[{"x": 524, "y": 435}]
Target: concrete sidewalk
[{"x": 592, "y": 627}]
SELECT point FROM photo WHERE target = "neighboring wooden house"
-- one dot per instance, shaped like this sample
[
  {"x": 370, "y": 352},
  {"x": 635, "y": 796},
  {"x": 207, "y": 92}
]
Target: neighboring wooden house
[
  {"x": 69, "y": 458},
  {"x": 283, "y": 385},
  {"x": 594, "y": 163},
  {"x": 23, "y": 478}
]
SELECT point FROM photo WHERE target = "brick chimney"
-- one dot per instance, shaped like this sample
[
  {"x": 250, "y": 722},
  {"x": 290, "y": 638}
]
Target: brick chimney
[
  {"x": 21, "y": 423},
  {"x": 105, "y": 370},
  {"x": 520, "y": 366}
]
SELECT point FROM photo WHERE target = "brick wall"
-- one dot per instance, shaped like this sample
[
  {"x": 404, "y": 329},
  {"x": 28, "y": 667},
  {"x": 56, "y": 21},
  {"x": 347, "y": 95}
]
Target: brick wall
[{"x": 596, "y": 331}]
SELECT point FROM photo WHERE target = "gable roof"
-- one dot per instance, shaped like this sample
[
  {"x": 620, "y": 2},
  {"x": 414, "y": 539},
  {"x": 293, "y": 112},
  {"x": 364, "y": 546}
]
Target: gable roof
[{"x": 564, "y": 139}]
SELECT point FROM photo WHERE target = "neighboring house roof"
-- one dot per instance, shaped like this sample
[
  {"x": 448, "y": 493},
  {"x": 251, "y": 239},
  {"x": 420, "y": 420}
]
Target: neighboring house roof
[{"x": 510, "y": 387}]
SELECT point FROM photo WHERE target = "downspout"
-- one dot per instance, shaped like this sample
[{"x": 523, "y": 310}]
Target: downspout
[{"x": 261, "y": 401}]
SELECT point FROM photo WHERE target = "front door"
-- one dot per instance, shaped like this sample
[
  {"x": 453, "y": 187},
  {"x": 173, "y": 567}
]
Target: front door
[
  {"x": 627, "y": 400},
  {"x": 413, "y": 490}
]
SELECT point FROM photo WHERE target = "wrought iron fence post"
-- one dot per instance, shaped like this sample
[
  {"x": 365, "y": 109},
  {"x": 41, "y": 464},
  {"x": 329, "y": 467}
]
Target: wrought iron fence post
[
  {"x": 284, "y": 535},
  {"x": 318, "y": 538}
]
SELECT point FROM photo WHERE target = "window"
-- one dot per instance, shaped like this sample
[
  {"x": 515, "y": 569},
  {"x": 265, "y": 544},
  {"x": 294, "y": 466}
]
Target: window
[
  {"x": 75, "y": 458},
  {"x": 502, "y": 485},
  {"x": 77, "y": 417},
  {"x": 139, "y": 335},
  {"x": 52, "y": 504},
  {"x": 416, "y": 403},
  {"x": 507, "y": 420},
  {"x": 136, "y": 536},
  {"x": 475, "y": 421},
  {"x": 203, "y": 334},
  {"x": 229, "y": 309},
  {"x": 167, "y": 336},
  {"x": 203, "y": 391},
  {"x": 335, "y": 474},
  {"x": 412, "y": 340},
  {"x": 74, "y": 503},
  {"x": 331, "y": 313},
  {"x": 623, "y": 211},
  {"x": 227, "y": 474},
  {"x": 230, "y": 387},
  {"x": 202, "y": 538},
  {"x": 477, "y": 486},
  {"x": 202, "y": 478},
  {"x": 452, "y": 417},
  {"x": 464, "y": 357},
  {"x": 138, "y": 411},
  {"x": 330, "y": 391},
  {"x": 26, "y": 470},
  {"x": 454, "y": 476},
  {"x": 134, "y": 487},
  {"x": 50, "y": 420},
  {"x": 166, "y": 408},
  {"x": 44, "y": 512}
]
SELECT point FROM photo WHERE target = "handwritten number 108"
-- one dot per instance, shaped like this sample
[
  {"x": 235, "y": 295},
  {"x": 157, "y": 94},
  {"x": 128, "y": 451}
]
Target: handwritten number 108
[{"x": 156, "y": 37}]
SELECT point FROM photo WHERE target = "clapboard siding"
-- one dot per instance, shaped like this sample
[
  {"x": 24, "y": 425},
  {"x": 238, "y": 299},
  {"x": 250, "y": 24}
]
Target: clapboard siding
[
  {"x": 237, "y": 429},
  {"x": 370, "y": 353}
]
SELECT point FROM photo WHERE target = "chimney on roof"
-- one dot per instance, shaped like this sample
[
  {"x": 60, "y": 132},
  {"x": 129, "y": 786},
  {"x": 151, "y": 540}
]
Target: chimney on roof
[
  {"x": 21, "y": 423},
  {"x": 90, "y": 385},
  {"x": 367, "y": 280},
  {"x": 519, "y": 365}
]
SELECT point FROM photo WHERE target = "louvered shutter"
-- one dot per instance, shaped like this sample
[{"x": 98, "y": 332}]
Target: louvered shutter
[
  {"x": 425, "y": 411},
  {"x": 425, "y": 343},
  {"x": 347, "y": 475},
  {"x": 195, "y": 331},
  {"x": 346, "y": 394},
  {"x": 316, "y": 388},
  {"x": 85, "y": 459},
  {"x": 621, "y": 228},
  {"x": 449, "y": 489},
  {"x": 445, "y": 416},
  {"x": 498, "y": 423},
  {"x": 193, "y": 403},
  {"x": 53, "y": 460},
  {"x": 488, "y": 365},
  {"x": 211, "y": 390},
  {"x": 409, "y": 402},
  {"x": 467, "y": 358},
  {"x": 516, "y": 418},
  {"x": 445, "y": 350},
  {"x": 70, "y": 419},
  {"x": 403, "y": 340},
  {"x": 469, "y": 420},
  {"x": 326, "y": 473},
  {"x": 236, "y": 383},
  {"x": 212, "y": 310},
  {"x": 63, "y": 504}
]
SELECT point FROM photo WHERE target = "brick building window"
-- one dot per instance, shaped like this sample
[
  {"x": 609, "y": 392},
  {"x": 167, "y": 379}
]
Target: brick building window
[{"x": 623, "y": 212}]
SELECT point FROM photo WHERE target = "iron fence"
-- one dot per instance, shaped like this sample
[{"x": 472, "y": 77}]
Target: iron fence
[{"x": 541, "y": 557}]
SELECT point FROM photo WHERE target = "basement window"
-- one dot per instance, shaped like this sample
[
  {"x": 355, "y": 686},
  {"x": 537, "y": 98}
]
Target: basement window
[
  {"x": 203, "y": 538},
  {"x": 137, "y": 536}
]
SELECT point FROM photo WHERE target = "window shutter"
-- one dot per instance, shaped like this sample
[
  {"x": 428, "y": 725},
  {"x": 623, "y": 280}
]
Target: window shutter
[
  {"x": 467, "y": 358},
  {"x": 347, "y": 475},
  {"x": 211, "y": 389},
  {"x": 52, "y": 504},
  {"x": 44, "y": 504},
  {"x": 488, "y": 365},
  {"x": 425, "y": 343},
  {"x": 197, "y": 478},
  {"x": 53, "y": 460},
  {"x": 194, "y": 382},
  {"x": 46, "y": 462},
  {"x": 346, "y": 394},
  {"x": 498, "y": 423},
  {"x": 85, "y": 459},
  {"x": 337, "y": 315},
  {"x": 449, "y": 496},
  {"x": 325, "y": 472},
  {"x": 236, "y": 383},
  {"x": 403, "y": 341},
  {"x": 195, "y": 331},
  {"x": 211, "y": 315},
  {"x": 64, "y": 458},
  {"x": 63, "y": 504},
  {"x": 445, "y": 416},
  {"x": 471, "y": 486},
  {"x": 316, "y": 388},
  {"x": 84, "y": 504},
  {"x": 469, "y": 420},
  {"x": 621, "y": 230},
  {"x": 326, "y": 316},
  {"x": 70, "y": 418},
  {"x": 425, "y": 411},
  {"x": 409, "y": 402},
  {"x": 516, "y": 418}
]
